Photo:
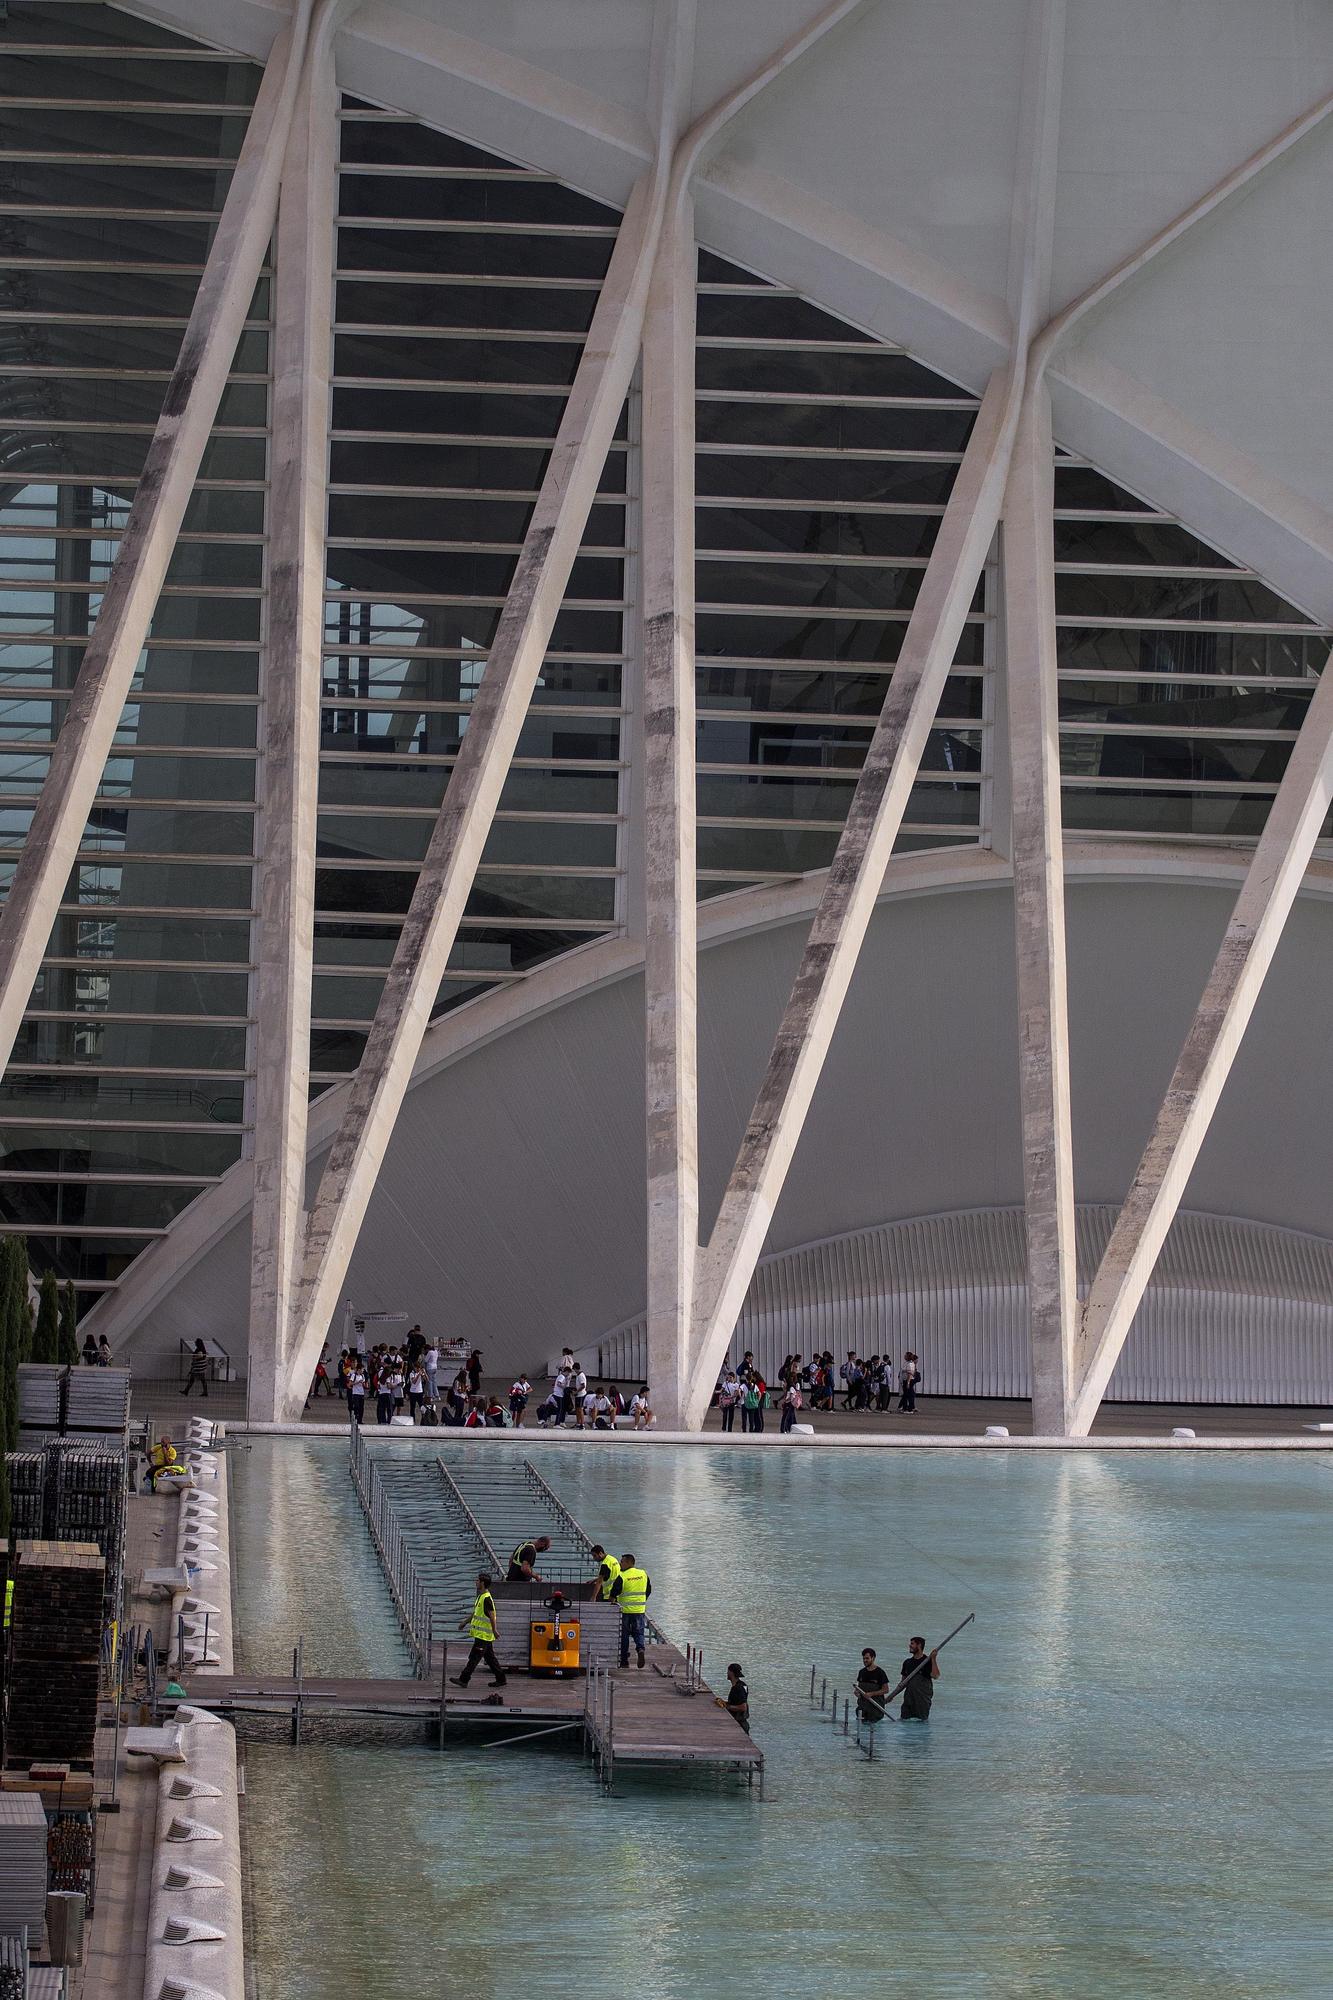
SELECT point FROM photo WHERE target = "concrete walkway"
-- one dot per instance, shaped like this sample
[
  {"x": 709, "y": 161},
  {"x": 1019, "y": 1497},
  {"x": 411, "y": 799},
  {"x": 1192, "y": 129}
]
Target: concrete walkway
[{"x": 115, "y": 1947}]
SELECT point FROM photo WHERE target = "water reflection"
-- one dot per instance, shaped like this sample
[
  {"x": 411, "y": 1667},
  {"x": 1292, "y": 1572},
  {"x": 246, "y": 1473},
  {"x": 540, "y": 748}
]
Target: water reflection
[{"x": 1110, "y": 1800}]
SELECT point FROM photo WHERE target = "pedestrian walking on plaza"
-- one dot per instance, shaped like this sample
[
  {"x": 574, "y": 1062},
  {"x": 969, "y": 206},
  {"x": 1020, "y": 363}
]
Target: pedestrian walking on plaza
[
  {"x": 198, "y": 1368},
  {"x": 908, "y": 1377},
  {"x": 430, "y": 1361},
  {"x": 104, "y": 1352},
  {"x": 384, "y": 1395},
  {"x": 484, "y": 1632},
  {"x": 356, "y": 1391},
  {"x": 791, "y": 1403},
  {"x": 519, "y": 1391},
  {"x": 416, "y": 1390},
  {"x": 630, "y": 1592},
  {"x": 474, "y": 1371},
  {"x": 920, "y": 1690},
  {"x": 729, "y": 1398}
]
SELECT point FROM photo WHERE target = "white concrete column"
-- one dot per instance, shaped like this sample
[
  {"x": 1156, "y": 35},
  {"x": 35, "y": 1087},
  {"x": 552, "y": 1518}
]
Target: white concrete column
[
  {"x": 850, "y": 892},
  {"x": 671, "y": 1018},
  {"x": 302, "y": 364},
  {"x": 1037, "y": 850},
  {"x": 1252, "y": 935},
  {"x": 165, "y": 485}
]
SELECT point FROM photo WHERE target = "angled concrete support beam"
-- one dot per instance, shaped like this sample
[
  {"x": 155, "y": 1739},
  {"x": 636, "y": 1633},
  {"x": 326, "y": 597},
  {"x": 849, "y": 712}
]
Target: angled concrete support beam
[
  {"x": 170, "y": 467},
  {"x": 854, "y": 879},
  {"x": 1252, "y": 936},
  {"x": 302, "y": 363}
]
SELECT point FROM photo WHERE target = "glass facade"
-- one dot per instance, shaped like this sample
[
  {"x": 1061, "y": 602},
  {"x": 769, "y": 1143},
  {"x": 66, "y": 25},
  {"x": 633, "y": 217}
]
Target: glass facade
[
  {"x": 127, "y": 1090},
  {"x": 464, "y": 289}
]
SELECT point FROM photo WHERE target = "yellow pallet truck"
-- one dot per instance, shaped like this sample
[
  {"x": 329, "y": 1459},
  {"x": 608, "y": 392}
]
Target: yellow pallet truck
[{"x": 553, "y": 1642}]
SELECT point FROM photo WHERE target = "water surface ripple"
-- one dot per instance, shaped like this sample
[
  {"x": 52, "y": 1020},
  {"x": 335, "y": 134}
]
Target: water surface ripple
[{"x": 1123, "y": 1792}]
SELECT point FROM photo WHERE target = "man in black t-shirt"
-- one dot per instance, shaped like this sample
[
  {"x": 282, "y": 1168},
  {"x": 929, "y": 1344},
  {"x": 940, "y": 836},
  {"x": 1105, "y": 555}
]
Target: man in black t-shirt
[
  {"x": 919, "y": 1691},
  {"x": 523, "y": 1562},
  {"x": 871, "y": 1687}
]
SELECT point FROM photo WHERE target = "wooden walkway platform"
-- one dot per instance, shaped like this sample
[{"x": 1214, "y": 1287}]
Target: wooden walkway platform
[{"x": 659, "y": 1716}]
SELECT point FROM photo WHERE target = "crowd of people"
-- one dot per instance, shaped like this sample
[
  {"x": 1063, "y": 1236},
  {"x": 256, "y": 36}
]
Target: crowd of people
[
  {"x": 862, "y": 1383},
  {"x": 406, "y": 1382}
]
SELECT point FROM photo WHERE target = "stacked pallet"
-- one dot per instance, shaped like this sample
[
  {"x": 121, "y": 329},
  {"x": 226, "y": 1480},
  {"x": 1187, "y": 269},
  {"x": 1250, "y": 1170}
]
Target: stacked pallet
[{"x": 56, "y": 1652}]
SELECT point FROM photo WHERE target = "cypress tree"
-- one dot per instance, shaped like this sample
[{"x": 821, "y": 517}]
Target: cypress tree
[
  {"x": 69, "y": 1326},
  {"x": 46, "y": 1335}
]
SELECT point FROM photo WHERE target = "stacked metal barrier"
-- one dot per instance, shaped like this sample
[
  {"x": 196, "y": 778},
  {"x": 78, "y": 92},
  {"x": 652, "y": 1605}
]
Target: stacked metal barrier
[{"x": 72, "y": 1489}]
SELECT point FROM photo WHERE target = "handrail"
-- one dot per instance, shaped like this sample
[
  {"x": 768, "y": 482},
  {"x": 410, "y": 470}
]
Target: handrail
[
  {"x": 405, "y": 1586},
  {"x": 577, "y": 1532}
]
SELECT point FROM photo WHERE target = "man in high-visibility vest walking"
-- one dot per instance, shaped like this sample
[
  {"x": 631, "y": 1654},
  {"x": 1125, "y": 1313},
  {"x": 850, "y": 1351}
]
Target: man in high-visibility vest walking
[
  {"x": 631, "y": 1591},
  {"x": 481, "y": 1625}
]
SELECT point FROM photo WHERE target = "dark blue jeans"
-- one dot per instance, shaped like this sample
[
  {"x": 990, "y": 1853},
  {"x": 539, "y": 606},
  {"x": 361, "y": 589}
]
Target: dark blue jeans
[{"x": 632, "y": 1626}]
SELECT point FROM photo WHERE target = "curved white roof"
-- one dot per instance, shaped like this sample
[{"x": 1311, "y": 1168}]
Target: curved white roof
[{"x": 883, "y": 173}]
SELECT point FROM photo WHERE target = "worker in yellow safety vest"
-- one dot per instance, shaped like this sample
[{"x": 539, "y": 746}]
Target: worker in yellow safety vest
[
  {"x": 608, "y": 1569},
  {"x": 481, "y": 1626},
  {"x": 630, "y": 1591},
  {"x": 162, "y": 1459}
]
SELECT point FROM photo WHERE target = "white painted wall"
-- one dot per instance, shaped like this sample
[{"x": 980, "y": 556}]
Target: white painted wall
[{"x": 510, "y": 1209}]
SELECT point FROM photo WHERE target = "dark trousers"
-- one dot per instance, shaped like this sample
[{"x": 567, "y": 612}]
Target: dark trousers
[
  {"x": 631, "y": 1627},
  {"x": 728, "y": 1416},
  {"x": 482, "y": 1649},
  {"x": 357, "y": 1406},
  {"x": 747, "y": 1418},
  {"x": 757, "y": 1418},
  {"x": 788, "y": 1417},
  {"x": 415, "y": 1398},
  {"x": 907, "y": 1401},
  {"x": 190, "y": 1381},
  {"x": 384, "y": 1407}
]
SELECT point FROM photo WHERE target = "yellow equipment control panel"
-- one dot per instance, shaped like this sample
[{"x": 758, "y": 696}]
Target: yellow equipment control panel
[{"x": 553, "y": 1646}]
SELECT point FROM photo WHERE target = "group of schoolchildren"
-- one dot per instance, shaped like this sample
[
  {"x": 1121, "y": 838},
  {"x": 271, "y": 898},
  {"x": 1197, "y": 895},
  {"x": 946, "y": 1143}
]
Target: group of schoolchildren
[
  {"x": 398, "y": 1380},
  {"x": 864, "y": 1384},
  {"x": 594, "y": 1407},
  {"x": 395, "y": 1379}
]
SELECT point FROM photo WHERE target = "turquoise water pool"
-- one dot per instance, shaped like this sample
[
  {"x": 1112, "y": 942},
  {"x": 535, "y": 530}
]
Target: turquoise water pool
[{"x": 1123, "y": 1789}]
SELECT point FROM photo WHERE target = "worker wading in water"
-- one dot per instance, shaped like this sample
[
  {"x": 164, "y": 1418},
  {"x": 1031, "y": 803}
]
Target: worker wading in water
[
  {"x": 919, "y": 1691},
  {"x": 631, "y": 1591},
  {"x": 482, "y": 1627}
]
